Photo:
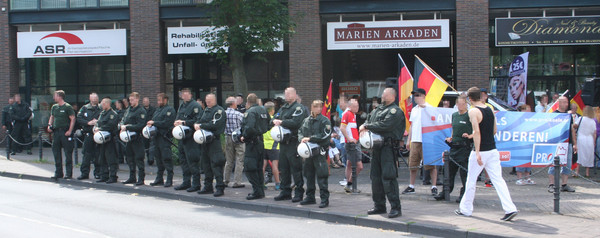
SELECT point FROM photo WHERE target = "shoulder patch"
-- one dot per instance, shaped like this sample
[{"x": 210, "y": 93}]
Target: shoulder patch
[
  {"x": 112, "y": 117},
  {"x": 298, "y": 108},
  {"x": 195, "y": 110},
  {"x": 328, "y": 127},
  {"x": 393, "y": 111},
  {"x": 220, "y": 111},
  {"x": 168, "y": 113},
  {"x": 142, "y": 116},
  {"x": 245, "y": 114}
]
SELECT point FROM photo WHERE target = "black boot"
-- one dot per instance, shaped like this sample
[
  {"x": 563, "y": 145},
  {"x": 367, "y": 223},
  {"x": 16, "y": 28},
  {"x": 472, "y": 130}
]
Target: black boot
[
  {"x": 219, "y": 192},
  {"x": 140, "y": 181},
  {"x": 169, "y": 182},
  {"x": 183, "y": 186},
  {"x": 158, "y": 181},
  {"x": 130, "y": 180}
]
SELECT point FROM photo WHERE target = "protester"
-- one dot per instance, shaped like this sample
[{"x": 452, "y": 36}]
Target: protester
[
  {"x": 234, "y": 151},
  {"x": 565, "y": 171},
  {"x": 271, "y": 149},
  {"x": 586, "y": 140},
  {"x": 349, "y": 129},
  {"x": 543, "y": 104},
  {"x": 485, "y": 155},
  {"x": 524, "y": 173}
]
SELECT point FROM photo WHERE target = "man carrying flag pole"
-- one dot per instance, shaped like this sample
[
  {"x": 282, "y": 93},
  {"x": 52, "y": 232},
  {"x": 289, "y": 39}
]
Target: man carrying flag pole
[
  {"x": 327, "y": 105},
  {"x": 577, "y": 100},
  {"x": 554, "y": 105}
]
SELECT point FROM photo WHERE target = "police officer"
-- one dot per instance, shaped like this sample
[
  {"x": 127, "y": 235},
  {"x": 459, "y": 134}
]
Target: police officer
[
  {"x": 213, "y": 159},
  {"x": 87, "y": 118},
  {"x": 6, "y": 120},
  {"x": 148, "y": 144},
  {"x": 61, "y": 124},
  {"x": 388, "y": 121},
  {"x": 254, "y": 125},
  {"x": 163, "y": 119},
  {"x": 134, "y": 120},
  {"x": 316, "y": 129},
  {"x": 189, "y": 151},
  {"x": 290, "y": 116},
  {"x": 107, "y": 152},
  {"x": 20, "y": 116}
]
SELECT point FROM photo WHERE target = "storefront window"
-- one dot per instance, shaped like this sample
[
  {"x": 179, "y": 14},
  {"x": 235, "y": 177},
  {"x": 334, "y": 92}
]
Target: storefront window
[{"x": 78, "y": 77}]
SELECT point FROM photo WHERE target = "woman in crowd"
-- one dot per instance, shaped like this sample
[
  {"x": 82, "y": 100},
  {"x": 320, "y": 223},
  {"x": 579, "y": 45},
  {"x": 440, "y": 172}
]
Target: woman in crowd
[{"x": 586, "y": 140}]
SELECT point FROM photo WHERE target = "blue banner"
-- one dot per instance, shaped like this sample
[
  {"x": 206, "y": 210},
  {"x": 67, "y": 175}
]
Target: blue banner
[{"x": 523, "y": 138}]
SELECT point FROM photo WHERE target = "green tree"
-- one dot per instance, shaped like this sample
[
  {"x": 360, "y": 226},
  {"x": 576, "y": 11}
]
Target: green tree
[{"x": 246, "y": 27}]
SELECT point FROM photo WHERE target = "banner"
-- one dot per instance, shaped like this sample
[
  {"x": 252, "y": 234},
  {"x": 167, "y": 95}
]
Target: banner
[
  {"x": 388, "y": 34},
  {"x": 189, "y": 40},
  {"x": 540, "y": 31},
  {"x": 517, "y": 85},
  {"x": 50, "y": 44},
  {"x": 350, "y": 88},
  {"x": 523, "y": 138}
]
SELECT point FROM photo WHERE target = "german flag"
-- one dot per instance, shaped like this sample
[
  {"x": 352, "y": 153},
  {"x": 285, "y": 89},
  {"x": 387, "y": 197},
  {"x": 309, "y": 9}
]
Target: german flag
[
  {"x": 405, "y": 87},
  {"x": 430, "y": 81},
  {"x": 327, "y": 104},
  {"x": 579, "y": 102}
]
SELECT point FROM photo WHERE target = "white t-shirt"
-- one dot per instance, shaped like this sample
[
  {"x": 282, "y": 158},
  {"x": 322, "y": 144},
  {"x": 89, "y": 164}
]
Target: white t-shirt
[{"x": 415, "y": 126}]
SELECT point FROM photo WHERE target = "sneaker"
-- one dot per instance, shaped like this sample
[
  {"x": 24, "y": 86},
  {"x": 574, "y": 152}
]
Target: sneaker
[
  {"x": 348, "y": 189},
  {"x": 458, "y": 213},
  {"x": 343, "y": 182},
  {"x": 408, "y": 190},
  {"x": 566, "y": 188},
  {"x": 551, "y": 188},
  {"x": 277, "y": 187},
  {"x": 434, "y": 191},
  {"x": 509, "y": 216},
  {"x": 529, "y": 181},
  {"x": 521, "y": 182}
]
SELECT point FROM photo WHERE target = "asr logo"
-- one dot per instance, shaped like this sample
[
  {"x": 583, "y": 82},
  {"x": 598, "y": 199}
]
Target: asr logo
[{"x": 71, "y": 39}]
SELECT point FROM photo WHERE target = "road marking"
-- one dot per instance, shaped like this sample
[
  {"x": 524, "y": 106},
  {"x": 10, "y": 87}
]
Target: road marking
[{"x": 51, "y": 224}]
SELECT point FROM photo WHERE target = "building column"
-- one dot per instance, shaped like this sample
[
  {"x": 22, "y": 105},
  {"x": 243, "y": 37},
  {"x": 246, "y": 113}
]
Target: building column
[
  {"x": 472, "y": 44},
  {"x": 306, "y": 66},
  {"x": 9, "y": 64},
  {"x": 147, "y": 59}
]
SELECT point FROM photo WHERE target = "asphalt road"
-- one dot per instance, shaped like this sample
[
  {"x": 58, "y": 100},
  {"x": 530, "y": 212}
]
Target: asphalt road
[{"x": 41, "y": 209}]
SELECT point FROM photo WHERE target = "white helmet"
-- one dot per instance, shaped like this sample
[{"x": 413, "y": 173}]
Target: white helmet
[
  {"x": 279, "y": 133},
  {"x": 307, "y": 149},
  {"x": 203, "y": 136},
  {"x": 78, "y": 133},
  {"x": 127, "y": 136},
  {"x": 370, "y": 140},
  {"x": 182, "y": 132},
  {"x": 101, "y": 137},
  {"x": 149, "y": 132}
]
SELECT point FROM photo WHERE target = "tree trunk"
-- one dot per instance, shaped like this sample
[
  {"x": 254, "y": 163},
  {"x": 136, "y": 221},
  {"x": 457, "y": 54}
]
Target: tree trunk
[{"x": 236, "y": 63}]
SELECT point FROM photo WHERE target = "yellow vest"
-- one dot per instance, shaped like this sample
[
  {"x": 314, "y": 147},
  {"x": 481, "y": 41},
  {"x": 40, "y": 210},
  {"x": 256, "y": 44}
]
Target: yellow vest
[{"x": 268, "y": 141}]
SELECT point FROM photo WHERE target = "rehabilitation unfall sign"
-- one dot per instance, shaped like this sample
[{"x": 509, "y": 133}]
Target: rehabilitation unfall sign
[
  {"x": 582, "y": 30},
  {"x": 522, "y": 139},
  {"x": 388, "y": 34}
]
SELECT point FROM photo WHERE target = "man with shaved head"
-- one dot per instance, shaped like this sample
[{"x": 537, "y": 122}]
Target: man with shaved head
[
  {"x": 213, "y": 159},
  {"x": 565, "y": 169},
  {"x": 87, "y": 118},
  {"x": 290, "y": 116}
]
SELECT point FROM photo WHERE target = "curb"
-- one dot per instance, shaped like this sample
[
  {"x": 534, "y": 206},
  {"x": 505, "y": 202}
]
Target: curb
[{"x": 328, "y": 216}]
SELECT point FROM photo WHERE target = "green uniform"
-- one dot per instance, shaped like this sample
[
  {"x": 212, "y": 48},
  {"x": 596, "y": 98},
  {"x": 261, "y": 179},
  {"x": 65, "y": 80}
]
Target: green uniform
[
  {"x": 318, "y": 129},
  {"x": 107, "y": 152},
  {"x": 20, "y": 114},
  {"x": 7, "y": 121},
  {"x": 290, "y": 166},
  {"x": 213, "y": 159},
  {"x": 460, "y": 150},
  {"x": 149, "y": 144},
  {"x": 90, "y": 153},
  {"x": 163, "y": 118},
  {"x": 134, "y": 120},
  {"x": 60, "y": 126},
  {"x": 387, "y": 121},
  {"x": 189, "y": 150},
  {"x": 254, "y": 125}
]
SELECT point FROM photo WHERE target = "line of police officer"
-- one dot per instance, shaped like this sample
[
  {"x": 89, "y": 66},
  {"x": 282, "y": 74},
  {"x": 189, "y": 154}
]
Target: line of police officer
[{"x": 304, "y": 140}]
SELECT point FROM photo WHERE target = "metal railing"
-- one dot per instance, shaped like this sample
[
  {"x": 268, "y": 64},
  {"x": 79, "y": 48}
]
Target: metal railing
[
  {"x": 183, "y": 2},
  {"x": 36, "y": 5}
]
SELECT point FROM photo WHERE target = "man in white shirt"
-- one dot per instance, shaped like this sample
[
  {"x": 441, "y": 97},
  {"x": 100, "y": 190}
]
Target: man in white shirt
[
  {"x": 416, "y": 144},
  {"x": 543, "y": 105}
]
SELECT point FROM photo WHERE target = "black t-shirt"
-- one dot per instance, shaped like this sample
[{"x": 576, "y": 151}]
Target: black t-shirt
[{"x": 486, "y": 127}]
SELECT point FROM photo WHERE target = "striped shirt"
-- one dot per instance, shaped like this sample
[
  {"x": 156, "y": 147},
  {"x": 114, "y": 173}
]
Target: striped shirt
[{"x": 234, "y": 120}]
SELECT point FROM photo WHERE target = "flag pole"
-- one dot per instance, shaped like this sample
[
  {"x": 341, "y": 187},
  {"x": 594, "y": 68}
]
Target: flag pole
[{"x": 433, "y": 72}]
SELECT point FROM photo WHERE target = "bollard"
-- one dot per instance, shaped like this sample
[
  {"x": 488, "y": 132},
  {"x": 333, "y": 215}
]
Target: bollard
[
  {"x": 40, "y": 143},
  {"x": 557, "y": 185},
  {"x": 446, "y": 175},
  {"x": 75, "y": 149},
  {"x": 8, "y": 149}
]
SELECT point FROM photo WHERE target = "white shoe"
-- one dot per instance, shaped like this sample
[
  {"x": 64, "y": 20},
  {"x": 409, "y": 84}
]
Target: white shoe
[
  {"x": 521, "y": 182},
  {"x": 529, "y": 181},
  {"x": 343, "y": 182}
]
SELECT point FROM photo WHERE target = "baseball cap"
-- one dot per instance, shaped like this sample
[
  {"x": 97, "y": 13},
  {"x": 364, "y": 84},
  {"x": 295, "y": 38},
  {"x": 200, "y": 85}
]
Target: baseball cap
[{"x": 419, "y": 91}]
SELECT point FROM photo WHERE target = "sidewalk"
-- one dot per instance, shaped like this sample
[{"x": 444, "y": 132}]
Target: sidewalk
[{"x": 421, "y": 214}]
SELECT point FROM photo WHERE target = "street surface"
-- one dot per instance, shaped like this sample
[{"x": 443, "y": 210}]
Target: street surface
[{"x": 42, "y": 209}]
